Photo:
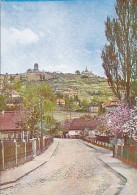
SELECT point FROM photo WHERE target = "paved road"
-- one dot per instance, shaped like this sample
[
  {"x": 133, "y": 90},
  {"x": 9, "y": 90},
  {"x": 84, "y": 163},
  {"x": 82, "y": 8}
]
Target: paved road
[{"x": 74, "y": 169}]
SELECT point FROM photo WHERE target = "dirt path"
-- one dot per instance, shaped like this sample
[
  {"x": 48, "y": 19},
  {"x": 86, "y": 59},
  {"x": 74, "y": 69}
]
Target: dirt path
[{"x": 74, "y": 169}]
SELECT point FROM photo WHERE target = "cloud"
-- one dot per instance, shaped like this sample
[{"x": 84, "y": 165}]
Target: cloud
[
  {"x": 15, "y": 36},
  {"x": 62, "y": 36},
  {"x": 14, "y": 44}
]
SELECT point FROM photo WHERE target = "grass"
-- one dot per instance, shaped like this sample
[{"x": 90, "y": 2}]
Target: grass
[{"x": 62, "y": 115}]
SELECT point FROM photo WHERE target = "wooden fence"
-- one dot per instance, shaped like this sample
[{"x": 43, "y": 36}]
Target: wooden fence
[
  {"x": 16, "y": 153},
  {"x": 126, "y": 153}
]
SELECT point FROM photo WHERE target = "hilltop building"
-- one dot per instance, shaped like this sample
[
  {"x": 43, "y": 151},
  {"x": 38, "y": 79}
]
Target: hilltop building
[
  {"x": 34, "y": 74},
  {"x": 86, "y": 72},
  {"x": 35, "y": 69}
]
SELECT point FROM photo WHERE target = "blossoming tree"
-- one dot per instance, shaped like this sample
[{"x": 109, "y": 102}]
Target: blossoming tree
[
  {"x": 130, "y": 128},
  {"x": 115, "y": 121}
]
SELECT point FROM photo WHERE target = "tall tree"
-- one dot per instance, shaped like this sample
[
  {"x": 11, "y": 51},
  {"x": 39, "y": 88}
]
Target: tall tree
[
  {"x": 38, "y": 100},
  {"x": 119, "y": 54}
]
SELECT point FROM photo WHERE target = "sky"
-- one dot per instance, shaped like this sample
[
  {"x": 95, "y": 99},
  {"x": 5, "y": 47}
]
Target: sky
[{"x": 62, "y": 36}]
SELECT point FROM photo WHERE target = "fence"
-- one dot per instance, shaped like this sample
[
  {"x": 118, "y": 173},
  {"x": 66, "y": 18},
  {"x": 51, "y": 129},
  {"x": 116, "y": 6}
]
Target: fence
[
  {"x": 126, "y": 153},
  {"x": 99, "y": 143},
  {"x": 16, "y": 153}
]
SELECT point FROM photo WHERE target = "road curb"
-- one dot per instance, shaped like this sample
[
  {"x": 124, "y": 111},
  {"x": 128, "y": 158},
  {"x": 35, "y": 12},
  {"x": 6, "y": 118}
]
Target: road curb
[
  {"x": 115, "y": 171},
  {"x": 3, "y": 185}
]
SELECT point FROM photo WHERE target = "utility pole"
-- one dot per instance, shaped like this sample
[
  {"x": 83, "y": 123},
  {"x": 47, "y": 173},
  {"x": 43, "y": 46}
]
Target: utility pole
[{"x": 41, "y": 129}]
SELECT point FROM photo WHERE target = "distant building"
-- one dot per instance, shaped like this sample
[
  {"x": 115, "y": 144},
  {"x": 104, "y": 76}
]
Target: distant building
[
  {"x": 81, "y": 127},
  {"x": 92, "y": 108},
  {"x": 36, "y": 67},
  {"x": 112, "y": 104},
  {"x": 14, "y": 100},
  {"x": 60, "y": 102},
  {"x": 35, "y": 74},
  {"x": 87, "y": 73},
  {"x": 14, "y": 94}
]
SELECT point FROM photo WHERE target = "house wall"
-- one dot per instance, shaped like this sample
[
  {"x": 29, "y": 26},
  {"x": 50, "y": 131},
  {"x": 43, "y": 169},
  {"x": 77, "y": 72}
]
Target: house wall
[
  {"x": 91, "y": 133},
  {"x": 74, "y": 132},
  {"x": 10, "y": 134},
  {"x": 15, "y": 96},
  {"x": 93, "y": 109},
  {"x": 4, "y": 135}
]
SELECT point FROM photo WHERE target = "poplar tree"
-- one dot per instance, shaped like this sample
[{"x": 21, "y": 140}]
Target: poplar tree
[{"x": 119, "y": 54}]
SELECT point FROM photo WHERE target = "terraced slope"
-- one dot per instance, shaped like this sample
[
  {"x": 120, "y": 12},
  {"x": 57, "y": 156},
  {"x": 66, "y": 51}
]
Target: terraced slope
[{"x": 84, "y": 87}]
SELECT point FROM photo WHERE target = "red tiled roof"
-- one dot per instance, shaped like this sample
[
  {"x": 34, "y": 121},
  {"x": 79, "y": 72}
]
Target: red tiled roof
[
  {"x": 14, "y": 92},
  {"x": 112, "y": 102},
  {"x": 60, "y": 100},
  {"x": 83, "y": 123},
  {"x": 66, "y": 124},
  {"x": 8, "y": 120}
]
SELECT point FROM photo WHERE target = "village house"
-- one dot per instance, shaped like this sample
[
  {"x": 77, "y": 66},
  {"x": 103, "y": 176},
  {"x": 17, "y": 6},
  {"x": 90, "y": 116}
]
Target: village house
[
  {"x": 60, "y": 101},
  {"x": 82, "y": 127},
  {"x": 9, "y": 125},
  {"x": 14, "y": 99},
  {"x": 112, "y": 104},
  {"x": 14, "y": 94},
  {"x": 76, "y": 102}
]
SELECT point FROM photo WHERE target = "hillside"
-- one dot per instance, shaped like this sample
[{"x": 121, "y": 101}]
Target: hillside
[{"x": 86, "y": 87}]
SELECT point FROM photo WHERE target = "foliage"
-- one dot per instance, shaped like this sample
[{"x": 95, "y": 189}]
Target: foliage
[
  {"x": 84, "y": 76},
  {"x": 86, "y": 116},
  {"x": 39, "y": 100},
  {"x": 2, "y": 103},
  {"x": 14, "y": 86},
  {"x": 119, "y": 55},
  {"x": 77, "y": 72},
  {"x": 84, "y": 104},
  {"x": 59, "y": 94},
  {"x": 116, "y": 120},
  {"x": 69, "y": 103},
  {"x": 101, "y": 110},
  {"x": 130, "y": 128}
]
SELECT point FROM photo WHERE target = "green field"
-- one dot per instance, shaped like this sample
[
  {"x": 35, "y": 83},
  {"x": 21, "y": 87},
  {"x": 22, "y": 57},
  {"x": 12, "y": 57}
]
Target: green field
[{"x": 62, "y": 115}]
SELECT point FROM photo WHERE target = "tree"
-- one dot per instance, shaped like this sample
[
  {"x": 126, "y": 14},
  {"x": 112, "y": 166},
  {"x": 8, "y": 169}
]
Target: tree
[
  {"x": 101, "y": 110},
  {"x": 84, "y": 105},
  {"x": 115, "y": 121},
  {"x": 130, "y": 128},
  {"x": 119, "y": 54},
  {"x": 2, "y": 103},
  {"x": 59, "y": 94},
  {"x": 38, "y": 100},
  {"x": 77, "y": 72}
]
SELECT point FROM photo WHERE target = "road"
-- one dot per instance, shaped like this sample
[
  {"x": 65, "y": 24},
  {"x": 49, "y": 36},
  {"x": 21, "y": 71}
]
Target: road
[{"x": 74, "y": 169}]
